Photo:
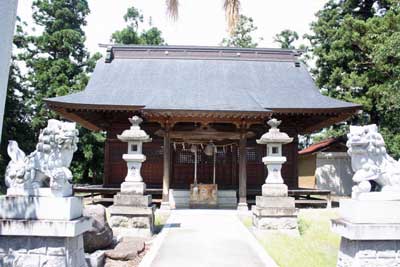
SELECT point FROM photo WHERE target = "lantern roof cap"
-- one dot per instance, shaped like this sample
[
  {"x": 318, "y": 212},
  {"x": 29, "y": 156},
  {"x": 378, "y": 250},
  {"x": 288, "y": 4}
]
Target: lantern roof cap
[
  {"x": 134, "y": 133},
  {"x": 274, "y": 135}
]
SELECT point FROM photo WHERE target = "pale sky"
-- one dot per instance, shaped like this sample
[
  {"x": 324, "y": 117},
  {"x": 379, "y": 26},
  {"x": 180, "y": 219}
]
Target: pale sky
[{"x": 200, "y": 22}]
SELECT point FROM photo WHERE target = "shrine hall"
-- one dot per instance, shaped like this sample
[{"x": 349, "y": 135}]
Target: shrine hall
[{"x": 204, "y": 108}]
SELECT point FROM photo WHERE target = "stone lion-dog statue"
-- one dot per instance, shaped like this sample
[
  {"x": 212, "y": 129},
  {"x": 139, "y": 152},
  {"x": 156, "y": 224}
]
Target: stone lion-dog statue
[
  {"x": 377, "y": 175},
  {"x": 48, "y": 165}
]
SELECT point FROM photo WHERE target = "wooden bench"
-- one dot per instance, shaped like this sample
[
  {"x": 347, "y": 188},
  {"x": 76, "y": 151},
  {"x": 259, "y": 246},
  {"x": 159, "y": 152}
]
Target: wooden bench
[
  {"x": 307, "y": 196},
  {"x": 303, "y": 196},
  {"x": 100, "y": 190}
]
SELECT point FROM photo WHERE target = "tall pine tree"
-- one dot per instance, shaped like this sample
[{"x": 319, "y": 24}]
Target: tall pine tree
[
  {"x": 241, "y": 35},
  {"x": 59, "y": 64},
  {"x": 131, "y": 33}
]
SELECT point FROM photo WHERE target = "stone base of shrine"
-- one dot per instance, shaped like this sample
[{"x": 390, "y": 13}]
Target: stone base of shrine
[
  {"x": 368, "y": 253},
  {"x": 367, "y": 244},
  {"x": 31, "y": 243},
  {"x": 40, "y": 208},
  {"x": 132, "y": 221},
  {"x": 370, "y": 233}
]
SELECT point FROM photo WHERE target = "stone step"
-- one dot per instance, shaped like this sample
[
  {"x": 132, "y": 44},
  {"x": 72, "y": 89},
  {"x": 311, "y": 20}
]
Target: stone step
[
  {"x": 227, "y": 193},
  {"x": 226, "y": 198},
  {"x": 186, "y": 193}
]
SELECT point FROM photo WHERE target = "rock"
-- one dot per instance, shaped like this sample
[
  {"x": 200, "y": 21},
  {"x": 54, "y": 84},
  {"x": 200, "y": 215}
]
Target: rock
[
  {"x": 115, "y": 263},
  {"x": 128, "y": 249},
  {"x": 101, "y": 235}
]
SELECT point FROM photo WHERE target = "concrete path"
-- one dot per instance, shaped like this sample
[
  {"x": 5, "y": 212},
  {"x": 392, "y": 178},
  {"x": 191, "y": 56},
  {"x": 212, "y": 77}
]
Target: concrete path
[{"x": 206, "y": 238}]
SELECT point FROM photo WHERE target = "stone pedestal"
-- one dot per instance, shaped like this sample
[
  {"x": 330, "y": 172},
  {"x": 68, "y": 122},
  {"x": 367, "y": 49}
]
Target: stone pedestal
[
  {"x": 133, "y": 188},
  {"x": 49, "y": 237},
  {"x": 274, "y": 210},
  {"x": 132, "y": 215},
  {"x": 370, "y": 232},
  {"x": 40, "y": 208}
]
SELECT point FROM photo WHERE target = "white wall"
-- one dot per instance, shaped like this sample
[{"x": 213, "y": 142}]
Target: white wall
[
  {"x": 333, "y": 172},
  {"x": 8, "y": 11}
]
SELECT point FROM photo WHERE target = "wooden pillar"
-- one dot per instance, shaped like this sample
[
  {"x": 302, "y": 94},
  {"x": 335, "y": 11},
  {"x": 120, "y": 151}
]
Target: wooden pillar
[
  {"x": 242, "y": 171},
  {"x": 166, "y": 168},
  {"x": 106, "y": 167}
]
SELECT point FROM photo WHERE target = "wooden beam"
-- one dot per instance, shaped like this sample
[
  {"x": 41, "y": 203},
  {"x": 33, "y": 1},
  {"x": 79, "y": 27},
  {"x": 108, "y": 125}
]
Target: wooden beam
[{"x": 73, "y": 117}]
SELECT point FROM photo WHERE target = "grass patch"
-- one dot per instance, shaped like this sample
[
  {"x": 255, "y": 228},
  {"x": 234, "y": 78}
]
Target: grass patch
[
  {"x": 247, "y": 221},
  {"x": 160, "y": 220},
  {"x": 316, "y": 246}
]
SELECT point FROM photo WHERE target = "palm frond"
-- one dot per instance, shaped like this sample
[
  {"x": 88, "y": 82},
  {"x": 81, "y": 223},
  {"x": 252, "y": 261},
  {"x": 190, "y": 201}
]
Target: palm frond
[
  {"x": 172, "y": 8},
  {"x": 232, "y": 8}
]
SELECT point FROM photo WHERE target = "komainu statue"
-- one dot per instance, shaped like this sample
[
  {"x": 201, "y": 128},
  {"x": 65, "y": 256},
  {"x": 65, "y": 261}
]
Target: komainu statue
[
  {"x": 376, "y": 173},
  {"x": 45, "y": 172}
]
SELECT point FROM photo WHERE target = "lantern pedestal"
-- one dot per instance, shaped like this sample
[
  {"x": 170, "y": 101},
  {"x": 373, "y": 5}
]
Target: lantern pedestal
[
  {"x": 274, "y": 210},
  {"x": 132, "y": 216}
]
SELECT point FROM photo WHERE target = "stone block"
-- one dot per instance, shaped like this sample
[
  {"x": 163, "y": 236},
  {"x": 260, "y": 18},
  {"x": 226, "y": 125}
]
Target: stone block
[
  {"x": 44, "y": 227},
  {"x": 95, "y": 259},
  {"x": 136, "y": 188},
  {"x": 55, "y": 261},
  {"x": 132, "y": 200},
  {"x": 367, "y": 253},
  {"x": 42, "y": 251},
  {"x": 274, "y": 211},
  {"x": 370, "y": 211},
  {"x": 40, "y": 208},
  {"x": 275, "y": 223},
  {"x": 366, "y": 231},
  {"x": 130, "y": 210},
  {"x": 274, "y": 202},
  {"x": 27, "y": 261},
  {"x": 274, "y": 190},
  {"x": 226, "y": 194},
  {"x": 40, "y": 192},
  {"x": 132, "y": 221}
]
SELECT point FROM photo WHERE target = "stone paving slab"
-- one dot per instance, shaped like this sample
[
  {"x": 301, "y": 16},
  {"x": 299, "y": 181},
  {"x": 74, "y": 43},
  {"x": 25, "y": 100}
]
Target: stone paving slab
[{"x": 206, "y": 238}]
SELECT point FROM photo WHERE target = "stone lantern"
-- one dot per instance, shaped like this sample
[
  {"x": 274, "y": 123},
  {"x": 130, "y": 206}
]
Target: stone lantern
[
  {"x": 135, "y": 137},
  {"x": 274, "y": 210},
  {"x": 132, "y": 213},
  {"x": 274, "y": 139}
]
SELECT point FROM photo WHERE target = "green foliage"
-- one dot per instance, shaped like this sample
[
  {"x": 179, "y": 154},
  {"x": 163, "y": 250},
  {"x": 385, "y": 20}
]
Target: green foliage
[
  {"x": 286, "y": 38},
  {"x": 57, "y": 64},
  {"x": 332, "y": 131},
  {"x": 57, "y": 58},
  {"x": 303, "y": 225},
  {"x": 357, "y": 59},
  {"x": 16, "y": 114},
  {"x": 131, "y": 35},
  {"x": 316, "y": 246},
  {"x": 242, "y": 34}
]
